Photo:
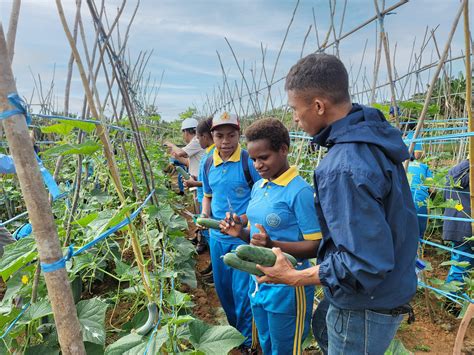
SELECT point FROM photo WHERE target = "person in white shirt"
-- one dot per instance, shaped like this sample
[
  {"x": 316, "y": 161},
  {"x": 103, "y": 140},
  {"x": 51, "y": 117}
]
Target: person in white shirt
[{"x": 191, "y": 154}]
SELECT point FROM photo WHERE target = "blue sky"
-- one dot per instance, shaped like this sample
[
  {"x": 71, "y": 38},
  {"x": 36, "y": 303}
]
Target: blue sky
[{"x": 185, "y": 35}]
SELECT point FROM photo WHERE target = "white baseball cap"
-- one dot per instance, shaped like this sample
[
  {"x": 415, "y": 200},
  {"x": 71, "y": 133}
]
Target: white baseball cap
[
  {"x": 189, "y": 123},
  {"x": 225, "y": 118}
]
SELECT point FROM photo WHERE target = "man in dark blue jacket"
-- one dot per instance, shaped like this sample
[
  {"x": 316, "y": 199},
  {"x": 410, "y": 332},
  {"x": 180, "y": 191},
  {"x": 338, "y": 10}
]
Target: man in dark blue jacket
[
  {"x": 457, "y": 231},
  {"x": 366, "y": 260}
]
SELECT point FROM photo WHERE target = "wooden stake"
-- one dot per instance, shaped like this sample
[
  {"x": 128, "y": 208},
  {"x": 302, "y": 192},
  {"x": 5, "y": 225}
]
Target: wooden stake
[
  {"x": 40, "y": 214},
  {"x": 467, "y": 39}
]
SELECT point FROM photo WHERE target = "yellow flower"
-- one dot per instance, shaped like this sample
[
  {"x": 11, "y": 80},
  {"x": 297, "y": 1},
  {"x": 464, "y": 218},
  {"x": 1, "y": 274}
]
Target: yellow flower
[
  {"x": 459, "y": 207},
  {"x": 24, "y": 279}
]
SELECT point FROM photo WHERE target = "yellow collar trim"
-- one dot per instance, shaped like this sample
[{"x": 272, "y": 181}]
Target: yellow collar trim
[
  {"x": 285, "y": 178},
  {"x": 208, "y": 149},
  {"x": 235, "y": 157}
]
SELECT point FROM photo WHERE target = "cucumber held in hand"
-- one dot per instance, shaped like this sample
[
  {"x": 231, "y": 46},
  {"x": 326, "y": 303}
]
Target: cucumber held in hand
[
  {"x": 232, "y": 260},
  {"x": 260, "y": 255},
  {"x": 183, "y": 172},
  {"x": 208, "y": 222}
]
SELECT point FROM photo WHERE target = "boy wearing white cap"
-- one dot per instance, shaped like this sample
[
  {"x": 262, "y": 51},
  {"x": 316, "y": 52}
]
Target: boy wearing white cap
[{"x": 191, "y": 154}]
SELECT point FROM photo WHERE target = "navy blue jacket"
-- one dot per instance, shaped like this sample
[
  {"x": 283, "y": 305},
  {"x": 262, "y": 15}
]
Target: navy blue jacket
[
  {"x": 456, "y": 230},
  {"x": 367, "y": 215}
]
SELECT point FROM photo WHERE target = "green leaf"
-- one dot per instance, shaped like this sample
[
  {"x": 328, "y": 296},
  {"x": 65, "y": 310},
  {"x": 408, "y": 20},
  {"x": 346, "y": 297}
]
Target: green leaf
[
  {"x": 456, "y": 263},
  {"x": 93, "y": 349},
  {"x": 133, "y": 344},
  {"x": 214, "y": 340},
  {"x": 16, "y": 255},
  {"x": 85, "y": 126},
  {"x": 87, "y": 148},
  {"x": 181, "y": 319},
  {"x": 129, "y": 344},
  {"x": 91, "y": 314},
  {"x": 37, "y": 310},
  {"x": 177, "y": 299},
  {"x": 84, "y": 221},
  {"x": 59, "y": 128}
]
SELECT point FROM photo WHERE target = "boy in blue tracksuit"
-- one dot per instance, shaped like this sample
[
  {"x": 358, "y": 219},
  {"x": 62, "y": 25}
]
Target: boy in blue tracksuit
[
  {"x": 229, "y": 182},
  {"x": 366, "y": 259},
  {"x": 281, "y": 213},
  {"x": 418, "y": 174}
]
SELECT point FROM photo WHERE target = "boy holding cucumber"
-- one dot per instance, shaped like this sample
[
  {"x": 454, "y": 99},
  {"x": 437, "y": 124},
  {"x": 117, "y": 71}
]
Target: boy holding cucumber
[
  {"x": 281, "y": 213},
  {"x": 366, "y": 260},
  {"x": 228, "y": 177}
]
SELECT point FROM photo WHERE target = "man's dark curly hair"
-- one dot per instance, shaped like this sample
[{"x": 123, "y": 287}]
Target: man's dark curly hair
[
  {"x": 204, "y": 126},
  {"x": 271, "y": 129},
  {"x": 322, "y": 75}
]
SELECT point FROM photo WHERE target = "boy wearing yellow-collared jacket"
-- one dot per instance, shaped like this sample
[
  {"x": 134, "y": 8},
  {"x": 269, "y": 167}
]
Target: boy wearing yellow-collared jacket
[{"x": 281, "y": 213}]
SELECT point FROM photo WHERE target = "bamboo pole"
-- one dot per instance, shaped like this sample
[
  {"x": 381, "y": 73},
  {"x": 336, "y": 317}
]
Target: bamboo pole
[
  {"x": 467, "y": 39},
  {"x": 12, "y": 26},
  {"x": 102, "y": 133},
  {"x": 434, "y": 79},
  {"x": 40, "y": 214}
]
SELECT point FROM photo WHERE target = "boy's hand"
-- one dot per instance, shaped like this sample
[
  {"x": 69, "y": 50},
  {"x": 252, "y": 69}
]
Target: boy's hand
[
  {"x": 232, "y": 225},
  {"x": 261, "y": 239}
]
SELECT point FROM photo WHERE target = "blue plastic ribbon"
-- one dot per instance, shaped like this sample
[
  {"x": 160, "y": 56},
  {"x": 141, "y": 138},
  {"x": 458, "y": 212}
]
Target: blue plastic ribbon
[
  {"x": 452, "y": 250},
  {"x": 61, "y": 263},
  {"x": 20, "y": 108},
  {"x": 10, "y": 327}
]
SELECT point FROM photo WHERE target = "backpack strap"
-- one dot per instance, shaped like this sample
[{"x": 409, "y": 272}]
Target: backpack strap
[
  {"x": 207, "y": 167},
  {"x": 244, "y": 157}
]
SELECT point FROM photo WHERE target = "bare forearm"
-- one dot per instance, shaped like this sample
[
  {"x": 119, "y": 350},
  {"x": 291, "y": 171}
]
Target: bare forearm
[
  {"x": 206, "y": 206},
  {"x": 309, "y": 276}
]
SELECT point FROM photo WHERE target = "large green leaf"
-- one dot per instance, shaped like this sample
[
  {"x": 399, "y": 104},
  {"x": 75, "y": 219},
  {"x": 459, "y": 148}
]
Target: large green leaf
[
  {"x": 87, "y": 148},
  {"x": 65, "y": 127},
  {"x": 37, "y": 310},
  {"x": 85, "y": 126},
  {"x": 214, "y": 339},
  {"x": 16, "y": 255},
  {"x": 133, "y": 344},
  {"x": 91, "y": 314},
  {"x": 58, "y": 128}
]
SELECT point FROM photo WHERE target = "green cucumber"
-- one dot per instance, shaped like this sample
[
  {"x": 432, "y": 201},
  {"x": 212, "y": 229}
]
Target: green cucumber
[
  {"x": 208, "y": 222},
  {"x": 151, "y": 320},
  {"x": 260, "y": 255},
  {"x": 232, "y": 260},
  {"x": 183, "y": 172}
]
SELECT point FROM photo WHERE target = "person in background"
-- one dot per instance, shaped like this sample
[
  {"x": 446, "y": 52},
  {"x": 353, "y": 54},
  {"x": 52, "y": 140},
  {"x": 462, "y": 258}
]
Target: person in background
[
  {"x": 6, "y": 167},
  {"x": 204, "y": 136},
  {"x": 366, "y": 259},
  {"x": 419, "y": 174},
  {"x": 190, "y": 155},
  {"x": 457, "y": 188},
  {"x": 418, "y": 149},
  {"x": 281, "y": 213},
  {"x": 228, "y": 179}
]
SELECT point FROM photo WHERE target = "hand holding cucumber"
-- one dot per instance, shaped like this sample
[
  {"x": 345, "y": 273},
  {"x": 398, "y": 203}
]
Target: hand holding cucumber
[{"x": 282, "y": 272}]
